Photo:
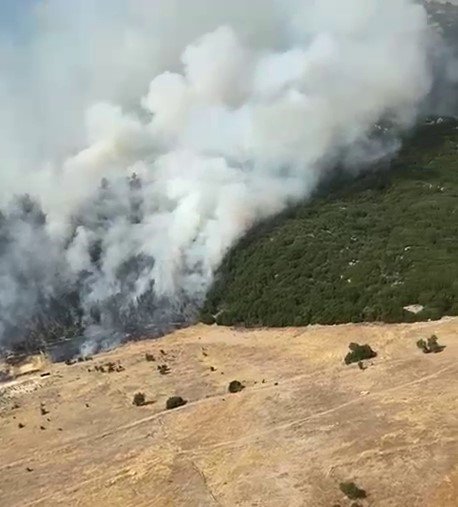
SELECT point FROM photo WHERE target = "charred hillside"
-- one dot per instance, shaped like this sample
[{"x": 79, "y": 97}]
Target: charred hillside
[{"x": 362, "y": 252}]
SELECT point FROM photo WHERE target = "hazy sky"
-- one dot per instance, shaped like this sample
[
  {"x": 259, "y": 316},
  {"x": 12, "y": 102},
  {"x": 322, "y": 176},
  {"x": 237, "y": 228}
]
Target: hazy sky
[{"x": 13, "y": 17}]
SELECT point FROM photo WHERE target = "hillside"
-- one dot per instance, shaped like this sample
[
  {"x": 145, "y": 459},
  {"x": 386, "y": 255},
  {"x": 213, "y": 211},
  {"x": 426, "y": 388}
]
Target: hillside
[
  {"x": 360, "y": 251},
  {"x": 304, "y": 423}
]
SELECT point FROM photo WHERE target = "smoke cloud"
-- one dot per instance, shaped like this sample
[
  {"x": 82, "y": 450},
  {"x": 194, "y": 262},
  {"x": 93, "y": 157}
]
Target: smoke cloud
[{"x": 140, "y": 140}]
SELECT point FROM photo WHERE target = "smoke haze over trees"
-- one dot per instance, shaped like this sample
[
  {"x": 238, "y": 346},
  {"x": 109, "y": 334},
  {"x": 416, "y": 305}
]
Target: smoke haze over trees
[{"x": 140, "y": 140}]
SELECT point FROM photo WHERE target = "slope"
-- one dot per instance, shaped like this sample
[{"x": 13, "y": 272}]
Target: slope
[
  {"x": 361, "y": 251},
  {"x": 304, "y": 422}
]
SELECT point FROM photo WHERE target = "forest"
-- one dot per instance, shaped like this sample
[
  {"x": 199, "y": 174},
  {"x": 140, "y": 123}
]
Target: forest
[{"x": 360, "y": 250}]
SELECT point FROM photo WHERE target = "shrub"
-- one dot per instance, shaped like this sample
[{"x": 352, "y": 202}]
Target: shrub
[
  {"x": 359, "y": 353},
  {"x": 351, "y": 490},
  {"x": 235, "y": 386},
  {"x": 434, "y": 346},
  {"x": 431, "y": 347},
  {"x": 139, "y": 399},
  {"x": 175, "y": 402},
  {"x": 207, "y": 318},
  {"x": 149, "y": 358},
  {"x": 421, "y": 344}
]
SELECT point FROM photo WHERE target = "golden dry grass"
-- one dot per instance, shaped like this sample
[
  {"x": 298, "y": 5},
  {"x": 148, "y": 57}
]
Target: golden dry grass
[{"x": 304, "y": 423}]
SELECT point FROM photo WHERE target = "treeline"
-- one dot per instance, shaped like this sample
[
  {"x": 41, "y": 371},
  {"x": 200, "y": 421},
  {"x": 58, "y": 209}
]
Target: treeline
[{"x": 361, "y": 252}]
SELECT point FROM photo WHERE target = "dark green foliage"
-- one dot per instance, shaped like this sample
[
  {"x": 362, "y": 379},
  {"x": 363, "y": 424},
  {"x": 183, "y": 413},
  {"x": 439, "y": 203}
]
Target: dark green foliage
[
  {"x": 175, "y": 402},
  {"x": 431, "y": 347},
  {"x": 351, "y": 490},
  {"x": 207, "y": 318},
  {"x": 358, "y": 353},
  {"x": 235, "y": 386},
  {"x": 359, "y": 251},
  {"x": 139, "y": 399}
]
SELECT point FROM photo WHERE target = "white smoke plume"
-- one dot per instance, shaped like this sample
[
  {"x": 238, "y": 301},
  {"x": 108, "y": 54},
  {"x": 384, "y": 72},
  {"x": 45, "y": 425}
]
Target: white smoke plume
[{"x": 150, "y": 136}]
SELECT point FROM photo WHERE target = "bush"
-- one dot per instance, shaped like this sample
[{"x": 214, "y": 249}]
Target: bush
[
  {"x": 175, "y": 402},
  {"x": 358, "y": 353},
  {"x": 432, "y": 346},
  {"x": 421, "y": 344},
  {"x": 139, "y": 399},
  {"x": 351, "y": 490},
  {"x": 149, "y": 358},
  {"x": 235, "y": 386},
  {"x": 207, "y": 318}
]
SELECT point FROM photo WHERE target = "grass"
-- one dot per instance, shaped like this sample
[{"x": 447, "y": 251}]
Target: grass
[{"x": 360, "y": 251}]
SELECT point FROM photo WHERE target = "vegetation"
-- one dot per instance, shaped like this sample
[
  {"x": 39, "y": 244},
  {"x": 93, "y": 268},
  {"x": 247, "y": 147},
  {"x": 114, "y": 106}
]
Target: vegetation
[
  {"x": 175, "y": 402},
  {"x": 139, "y": 399},
  {"x": 432, "y": 346},
  {"x": 360, "y": 250},
  {"x": 235, "y": 387},
  {"x": 109, "y": 367},
  {"x": 163, "y": 369},
  {"x": 358, "y": 353},
  {"x": 351, "y": 490}
]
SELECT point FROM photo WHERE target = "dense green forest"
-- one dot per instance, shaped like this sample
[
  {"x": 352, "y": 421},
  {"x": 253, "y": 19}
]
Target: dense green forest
[{"x": 359, "y": 251}]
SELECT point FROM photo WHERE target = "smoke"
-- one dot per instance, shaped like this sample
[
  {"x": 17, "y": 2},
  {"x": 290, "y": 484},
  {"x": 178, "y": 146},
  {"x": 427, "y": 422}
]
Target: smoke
[
  {"x": 443, "y": 99},
  {"x": 150, "y": 136}
]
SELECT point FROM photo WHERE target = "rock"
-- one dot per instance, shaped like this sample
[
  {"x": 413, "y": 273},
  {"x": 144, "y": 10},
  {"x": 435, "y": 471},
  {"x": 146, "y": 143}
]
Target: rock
[{"x": 414, "y": 309}]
